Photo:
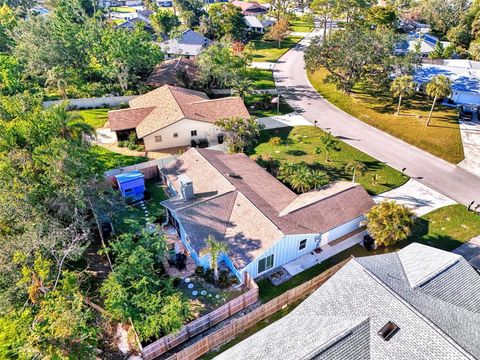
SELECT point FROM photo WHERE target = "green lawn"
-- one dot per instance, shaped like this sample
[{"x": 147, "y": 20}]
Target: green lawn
[
  {"x": 301, "y": 26},
  {"x": 108, "y": 160},
  {"x": 272, "y": 111},
  {"x": 269, "y": 50},
  {"x": 96, "y": 118},
  {"x": 299, "y": 143},
  {"x": 447, "y": 227},
  {"x": 123, "y": 9},
  {"x": 442, "y": 138},
  {"x": 262, "y": 79},
  {"x": 133, "y": 214}
]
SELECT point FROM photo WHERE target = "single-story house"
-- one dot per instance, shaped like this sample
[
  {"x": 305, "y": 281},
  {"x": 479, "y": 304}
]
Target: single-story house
[
  {"x": 172, "y": 116},
  {"x": 167, "y": 72},
  {"x": 417, "y": 303},
  {"x": 130, "y": 24},
  {"x": 464, "y": 74},
  {"x": 189, "y": 44},
  {"x": 252, "y": 8},
  {"x": 426, "y": 44},
  {"x": 165, "y": 3},
  {"x": 264, "y": 223},
  {"x": 256, "y": 25}
]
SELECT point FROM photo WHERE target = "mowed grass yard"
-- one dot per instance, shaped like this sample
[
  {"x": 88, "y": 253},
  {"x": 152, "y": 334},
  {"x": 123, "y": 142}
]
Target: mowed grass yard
[
  {"x": 261, "y": 78},
  {"x": 107, "y": 160},
  {"x": 96, "y": 118},
  {"x": 268, "y": 51},
  {"x": 442, "y": 138},
  {"x": 299, "y": 143},
  {"x": 301, "y": 26}
]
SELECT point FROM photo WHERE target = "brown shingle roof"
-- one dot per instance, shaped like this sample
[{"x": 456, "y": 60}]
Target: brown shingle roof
[
  {"x": 263, "y": 209},
  {"x": 127, "y": 118},
  {"x": 169, "y": 104},
  {"x": 166, "y": 72}
]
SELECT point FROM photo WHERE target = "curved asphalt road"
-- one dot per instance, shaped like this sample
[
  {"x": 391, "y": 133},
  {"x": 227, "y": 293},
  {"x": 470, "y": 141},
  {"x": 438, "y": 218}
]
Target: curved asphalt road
[{"x": 294, "y": 86}]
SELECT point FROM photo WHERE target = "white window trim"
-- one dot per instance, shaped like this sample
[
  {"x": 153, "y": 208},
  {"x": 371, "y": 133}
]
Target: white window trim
[{"x": 266, "y": 269}]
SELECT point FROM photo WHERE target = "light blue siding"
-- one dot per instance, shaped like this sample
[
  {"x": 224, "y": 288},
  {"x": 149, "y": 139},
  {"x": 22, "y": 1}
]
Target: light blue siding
[
  {"x": 345, "y": 228},
  {"x": 284, "y": 250}
]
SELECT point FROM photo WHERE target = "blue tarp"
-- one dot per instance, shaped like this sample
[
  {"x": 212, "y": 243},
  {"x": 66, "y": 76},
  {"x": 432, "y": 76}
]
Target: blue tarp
[{"x": 131, "y": 184}]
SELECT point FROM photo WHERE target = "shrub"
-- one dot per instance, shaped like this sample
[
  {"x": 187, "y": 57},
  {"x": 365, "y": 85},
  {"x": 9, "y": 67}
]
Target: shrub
[
  {"x": 199, "y": 271},
  {"x": 123, "y": 105},
  {"x": 209, "y": 276},
  {"x": 275, "y": 141},
  {"x": 224, "y": 279}
]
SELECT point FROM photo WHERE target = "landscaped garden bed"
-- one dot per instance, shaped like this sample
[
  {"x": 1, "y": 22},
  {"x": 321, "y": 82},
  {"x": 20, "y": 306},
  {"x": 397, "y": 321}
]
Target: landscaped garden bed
[
  {"x": 442, "y": 138},
  {"x": 299, "y": 144},
  {"x": 205, "y": 296}
]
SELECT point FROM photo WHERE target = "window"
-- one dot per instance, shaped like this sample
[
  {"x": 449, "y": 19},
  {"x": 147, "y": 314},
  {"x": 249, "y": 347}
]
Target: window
[
  {"x": 158, "y": 138},
  {"x": 303, "y": 244},
  {"x": 193, "y": 132},
  {"x": 265, "y": 264},
  {"x": 175, "y": 135}
]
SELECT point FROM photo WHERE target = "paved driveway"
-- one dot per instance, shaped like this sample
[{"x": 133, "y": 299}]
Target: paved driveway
[
  {"x": 420, "y": 198},
  {"x": 279, "y": 121},
  {"x": 470, "y": 131},
  {"x": 446, "y": 178}
]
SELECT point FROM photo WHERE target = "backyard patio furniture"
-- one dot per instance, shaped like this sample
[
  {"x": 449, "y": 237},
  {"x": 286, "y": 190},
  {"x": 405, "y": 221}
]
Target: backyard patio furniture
[{"x": 180, "y": 261}]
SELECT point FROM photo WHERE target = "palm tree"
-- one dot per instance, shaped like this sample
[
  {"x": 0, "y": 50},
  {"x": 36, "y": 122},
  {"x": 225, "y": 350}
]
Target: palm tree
[
  {"x": 286, "y": 170},
  {"x": 356, "y": 167},
  {"x": 58, "y": 81},
  {"x": 242, "y": 88},
  {"x": 438, "y": 87},
  {"x": 329, "y": 144},
  {"x": 402, "y": 86},
  {"x": 300, "y": 180},
  {"x": 389, "y": 222},
  {"x": 318, "y": 178},
  {"x": 214, "y": 249}
]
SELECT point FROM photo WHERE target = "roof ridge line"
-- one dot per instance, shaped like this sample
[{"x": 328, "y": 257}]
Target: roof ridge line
[
  {"x": 327, "y": 197},
  {"x": 409, "y": 306}
]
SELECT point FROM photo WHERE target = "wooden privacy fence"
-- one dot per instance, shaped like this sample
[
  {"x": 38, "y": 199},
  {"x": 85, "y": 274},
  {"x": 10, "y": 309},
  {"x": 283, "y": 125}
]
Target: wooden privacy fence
[
  {"x": 236, "y": 327},
  {"x": 203, "y": 323},
  {"x": 148, "y": 168}
]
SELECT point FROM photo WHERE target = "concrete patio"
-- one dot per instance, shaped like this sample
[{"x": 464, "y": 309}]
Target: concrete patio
[
  {"x": 417, "y": 196},
  {"x": 311, "y": 259}
]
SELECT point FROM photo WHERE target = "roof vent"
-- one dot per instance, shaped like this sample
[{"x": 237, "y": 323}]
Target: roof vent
[
  {"x": 388, "y": 330},
  {"x": 235, "y": 176}
]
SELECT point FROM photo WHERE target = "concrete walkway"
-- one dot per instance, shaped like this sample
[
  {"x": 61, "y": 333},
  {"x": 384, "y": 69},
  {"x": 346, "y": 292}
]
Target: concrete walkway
[
  {"x": 294, "y": 86},
  {"x": 417, "y": 196},
  {"x": 311, "y": 259},
  {"x": 280, "y": 121},
  {"x": 470, "y": 131},
  {"x": 471, "y": 252}
]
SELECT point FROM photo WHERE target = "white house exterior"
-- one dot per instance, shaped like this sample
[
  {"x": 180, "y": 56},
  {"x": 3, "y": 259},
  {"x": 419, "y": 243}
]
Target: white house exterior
[
  {"x": 264, "y": 224},
  {"x": 172, "y": 116}
]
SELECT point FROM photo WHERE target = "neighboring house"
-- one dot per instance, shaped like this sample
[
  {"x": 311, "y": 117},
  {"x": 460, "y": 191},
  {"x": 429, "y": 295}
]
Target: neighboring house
[
  {"x": 172, "y": 116},
  {"x": 256, "y": 25},
  {"x": 132, "y": 23},
  {"x": 264, "y": 224},
  {"x": 417, "y": 303},
  {"x": 165, "y": 3},
  {"x": 426, "y": 44},
  {"x": 464, "y": 74},
  {"x": 167, "y": 72},
  {"x": 252, "y": 8},
  {"x": 189, "y": 44},
  {"x": 107, "y": 3}
]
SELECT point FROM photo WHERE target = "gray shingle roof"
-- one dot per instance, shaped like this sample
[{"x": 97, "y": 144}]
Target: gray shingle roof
[{"x": 439, "y": 319}]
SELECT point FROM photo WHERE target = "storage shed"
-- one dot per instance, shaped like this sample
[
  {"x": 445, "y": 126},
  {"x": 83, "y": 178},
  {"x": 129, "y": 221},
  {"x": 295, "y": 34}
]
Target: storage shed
[{"x": 131, "y": 184}]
